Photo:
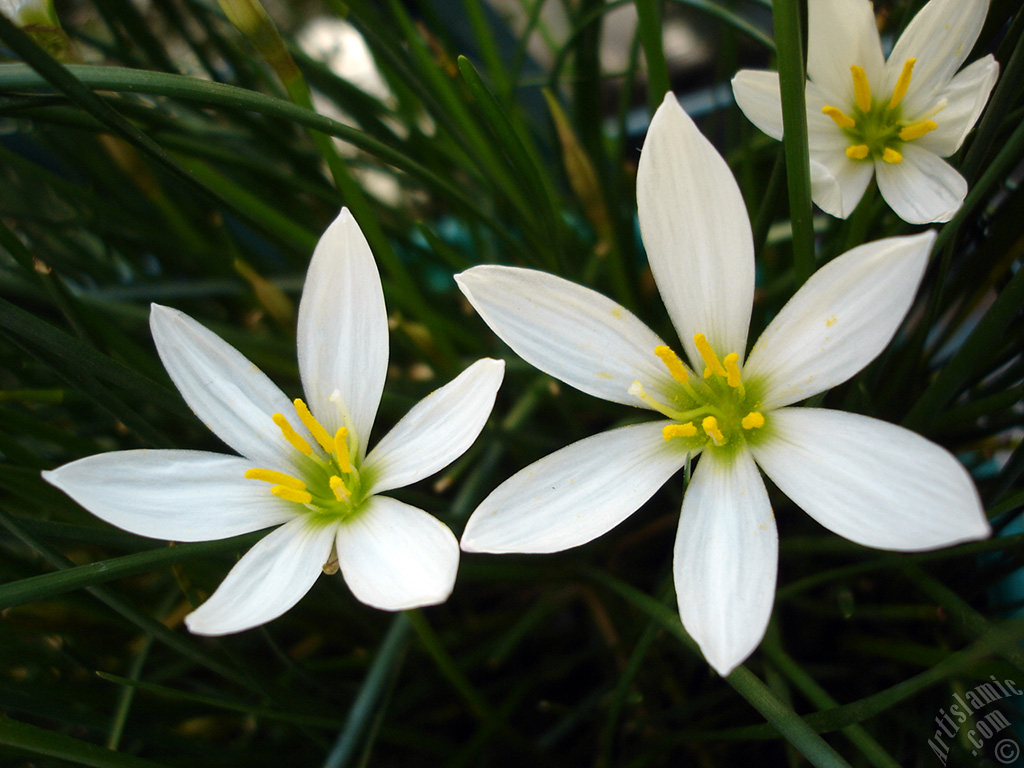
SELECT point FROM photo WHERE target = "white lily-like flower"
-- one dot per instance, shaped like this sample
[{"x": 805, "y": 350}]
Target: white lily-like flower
[
  {"x": 303, "y": 464},
  {"x": 872, "y": 482},
  {"x": 894, "y": 118},
  {"x": 27, "y": 13}
]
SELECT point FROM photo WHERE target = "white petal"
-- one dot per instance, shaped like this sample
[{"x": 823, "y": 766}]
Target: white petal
[
  {"x": 233, "y": 397},
  {"x": 966, "y": 97},
  {"x": 940, "y": 37},
  {"x": 839, "y": 320},
  {"x": 395, "y": 557},
  {"x": 436, "y": 431},
  {"x": 697, "y": 233},
  {"x": 575, "y": 494},
  {"x": 268, "y": 580},
  {"x": 923, "y": 188},
  {"x": 841, "y": 33},
  {"x": 726, "y": 558},
  {"x": 173, "y": 495},
  {"x": 568, "y": 331},
  {"x": 872, "y": 482},
  {"x": 343, "y": 331},
  {"x": 757, "y": 94}
]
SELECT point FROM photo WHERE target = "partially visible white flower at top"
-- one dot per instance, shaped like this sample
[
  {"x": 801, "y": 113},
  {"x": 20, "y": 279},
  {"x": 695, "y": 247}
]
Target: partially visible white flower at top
[
  {"x": 26, "y": 13},
  {"x": 874, "y": 483},
  {"x": 894, "y": 118},
  {"x": 303, "y": 464}
]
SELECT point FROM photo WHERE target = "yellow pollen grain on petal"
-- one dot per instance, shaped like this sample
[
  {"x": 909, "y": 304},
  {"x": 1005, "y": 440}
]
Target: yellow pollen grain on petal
[
  {"x": 710, "y": 358},
  {"x": 917, "y": 130},
  {"x": 841, "y": 119},
  {"x": 678, "y": 430},
  {"x": 277, "y": 478},
  {"x": 857, "y": 151},
  {"x": 892, "y": 156},
  {"x": 341, "y": 450},
  {"x": 861, "y": 88},
  {"x": 293, "y": 437},
  {"x": 673, "y": 363},
  {"x": 903, "y": 83},
  {"x": 753, "y": 420},
  {"x": 290, "y": 494},
  {"x": 712, "y": 430},
  {"x": 315, "y": 428},
  {"x": 341, "y": 493},
  {"x": 732, "y": 369}
]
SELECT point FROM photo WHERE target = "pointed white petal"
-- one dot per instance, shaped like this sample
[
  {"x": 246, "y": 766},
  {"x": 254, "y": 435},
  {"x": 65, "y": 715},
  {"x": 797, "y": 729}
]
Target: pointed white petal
[
  {"x": 575, "y": 494},
  {"x": 726, "y": 559},
  {"x": 923, "y": 188},
  {"x": 268, "y": 580},
  {"x": 940, "y": 37},
  {"x": 841, "y": 33},
  {"x": 872, "y": 482},
  {"x": 757, "y": 94},
  {"x": 568, "y": 331},
  {"x": 436, "y": 431},
  {"x": 697, "y": 233},
  {"x": 395, "y": 557},
  {"x": 966, "y": 97},
  {"x": 174, "y": 495},
  {"x": 839, "y": 320},
  {"x": 233, "y": 397},
  {"x": 343, "y": 331}
]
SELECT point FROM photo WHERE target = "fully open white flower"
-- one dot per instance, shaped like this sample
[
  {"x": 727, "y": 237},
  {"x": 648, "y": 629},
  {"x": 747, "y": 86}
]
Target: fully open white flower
[
  {"x": 872, "y": 482},
  {"x": 302, "y": 467},
  {"x": 892, "y": 118}
]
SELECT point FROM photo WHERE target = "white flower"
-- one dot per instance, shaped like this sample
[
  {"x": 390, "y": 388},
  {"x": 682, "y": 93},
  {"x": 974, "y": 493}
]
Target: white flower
[
  {"x": 30, "y": 12},
  {"x": 894, "y": 119},
  {"x": 872, "y": 482},
  {"x": 304, "y": 469}
]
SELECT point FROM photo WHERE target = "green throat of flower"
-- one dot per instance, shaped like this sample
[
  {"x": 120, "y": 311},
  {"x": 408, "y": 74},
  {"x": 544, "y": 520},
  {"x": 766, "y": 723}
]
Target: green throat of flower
[
  {"x": 331, "y": 485},
  {"x": 875, "y": 128},
  {"x": 719, "y": 412}
]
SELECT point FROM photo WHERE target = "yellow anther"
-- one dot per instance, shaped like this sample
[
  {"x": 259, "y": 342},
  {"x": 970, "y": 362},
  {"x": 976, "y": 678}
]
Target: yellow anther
[
  {"x": 290, "y": 494},
  {"x": 861, "y": 88},
  {"x": 673, "y": 363},
  {"x": 732, "y": 369},
  {"x": 842, "y": 120},
  {"x": 710, "y": 358},
  {"x": 710, "y": 425},
  {"x": 277, "y": 478},
  {"x": 753, "y": 420},
  {"x": 892, "y": 156},
  {"x": 341, "y": 493},
  {"x": 678, "y": 430},
  {"x": 902, "y": 84},
  {"x": 917, "y": 130},
  {"x": 857, "y": 151},
  {"x": 315, "y": 428},
  {"x": 291, "y": 435},
  {"x": 341, "y": 450}
]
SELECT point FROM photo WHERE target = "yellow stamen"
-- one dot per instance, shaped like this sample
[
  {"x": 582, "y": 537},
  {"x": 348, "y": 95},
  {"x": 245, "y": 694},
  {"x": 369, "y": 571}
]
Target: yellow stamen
[
  {"x": 673, "y": 363},
  {"x": 732, "y": 369},
  {"x": 857, "y": 151},
  {"x": 892, "y": 156},
  {"x": 290, "y": 494},
  {"x": 710, "y": 358},
  {"x": 291, "y": 435},
  {"x": 710, "y": 425},
  {"x": 278, "y": 478},
  {"x": 753, "y": 420},
  {"x": 679, "y": 430},
  {"x": 917, "y": 130},
  {"x": 902, "y": 84},
  {"x": 861, "y": 88},
  {"x": 341, "y": 493},
  {"x": 341, "y": 449},
  {"x": 315, "y": 428},
  {"x": 842, "y": 120}
]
